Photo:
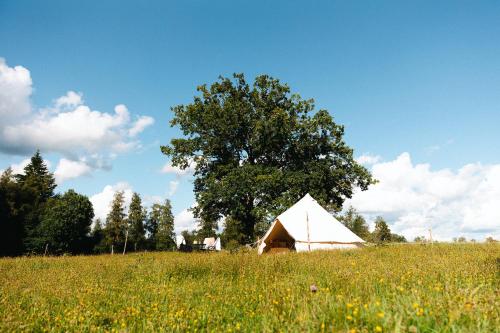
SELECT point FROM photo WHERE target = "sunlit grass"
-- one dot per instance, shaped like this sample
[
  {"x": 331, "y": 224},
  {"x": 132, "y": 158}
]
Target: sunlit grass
[{"x": 406, "y": 288}]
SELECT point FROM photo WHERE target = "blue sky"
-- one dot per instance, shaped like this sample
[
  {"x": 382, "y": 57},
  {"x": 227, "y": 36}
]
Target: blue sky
[{"x": 419, "y": 77}]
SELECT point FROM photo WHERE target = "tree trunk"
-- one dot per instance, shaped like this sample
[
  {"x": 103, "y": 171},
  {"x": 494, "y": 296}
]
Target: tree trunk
[
  {"x": 125, "y": 245},
  {"x": 112, "y": 250},
  {"x": 46, "y": 249}
]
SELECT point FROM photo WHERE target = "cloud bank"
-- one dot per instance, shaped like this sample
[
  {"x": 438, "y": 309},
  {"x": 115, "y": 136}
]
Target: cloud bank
[
  {"x": 68, "y": 127},
  {"x": 414, "y": 198}
]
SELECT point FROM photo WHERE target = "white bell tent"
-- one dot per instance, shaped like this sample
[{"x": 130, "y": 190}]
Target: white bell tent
[
  {"x": 307, "y": 226},
  {"x": 211, "y": 243}
]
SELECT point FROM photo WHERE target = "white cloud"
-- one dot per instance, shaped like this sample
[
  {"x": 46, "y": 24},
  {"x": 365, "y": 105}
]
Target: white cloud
[
  {"x": 81, "y": 129},
  {"x": 414, "y": 198},
  {"x": 368, "y": 159},
  {"x": 168, "y": 168},
  {"x": 172, "y": 187},
  {"x": 15, "y": 92},
  {"x": 18, "y": 168},
  {"x": 68, "y": 126},
  {"x": 71, "y": 99},
  {"x": 68, "y": 169},
  {"x": 185, "y": 221},
  {"x": 140, "y": 124},
  {"x": 102, "y": 200}
]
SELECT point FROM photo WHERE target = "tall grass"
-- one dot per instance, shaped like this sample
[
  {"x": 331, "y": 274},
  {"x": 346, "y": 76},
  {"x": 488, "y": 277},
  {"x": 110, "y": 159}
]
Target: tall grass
[{"x": 412, "y": 288}]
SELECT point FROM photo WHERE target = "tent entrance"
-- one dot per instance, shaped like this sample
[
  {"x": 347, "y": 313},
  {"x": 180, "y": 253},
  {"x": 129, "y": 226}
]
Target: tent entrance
[{"x": 279, "y": 240}]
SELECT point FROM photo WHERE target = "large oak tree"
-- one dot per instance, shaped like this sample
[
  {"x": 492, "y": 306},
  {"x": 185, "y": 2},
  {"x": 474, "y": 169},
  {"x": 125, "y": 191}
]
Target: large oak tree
[{"x": 257, "y": 149}]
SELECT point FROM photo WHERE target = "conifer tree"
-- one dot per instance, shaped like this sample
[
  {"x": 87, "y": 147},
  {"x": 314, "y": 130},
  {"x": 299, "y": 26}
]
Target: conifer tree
[
  {"x": 151, "y": 226},
  {"x": 135, "y": 220},
  {"x": 161, "y": 226},
  {"x": 37, "y": 185},
  {"x": 165, "y": 238},
  {"x": 97, "y": 235},
  {"x": 115, "y": 222},
  {"x": 38, "y": 179}
]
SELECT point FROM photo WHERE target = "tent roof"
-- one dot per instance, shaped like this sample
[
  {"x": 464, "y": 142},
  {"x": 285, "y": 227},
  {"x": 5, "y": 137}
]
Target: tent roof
[{"x": 307, "y": 221}]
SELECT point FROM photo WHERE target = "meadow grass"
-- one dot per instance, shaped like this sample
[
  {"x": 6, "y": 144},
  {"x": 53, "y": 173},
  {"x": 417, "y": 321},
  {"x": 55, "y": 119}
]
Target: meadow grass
[{"x": 405, "y": 288}]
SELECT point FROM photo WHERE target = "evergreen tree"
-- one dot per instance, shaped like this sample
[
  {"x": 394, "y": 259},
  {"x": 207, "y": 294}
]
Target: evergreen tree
[
  {"x": 165, "y": 238},
  {"x": 98, "y": 239},
  {"x": 115, "y": 222},
  {"x": 37, "y": 185},
  {"x": 355, "y": 222},
  {"x": 382, "y": 233},
  {"x": 161, "y": 224},
  {"x": 151, "y": 227},
  {"x": 38, "y": 179},
  {"x": 135, "y": 220}
]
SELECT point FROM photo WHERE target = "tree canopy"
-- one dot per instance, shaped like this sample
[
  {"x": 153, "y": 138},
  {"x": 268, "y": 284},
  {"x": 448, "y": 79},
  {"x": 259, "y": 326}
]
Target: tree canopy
[
  {"x": 160, "y": 227},
  {"x": 355, "y": 222},
  {"x": 115, "y": 221},
  {"x": 65, "y": 225},
  {"x": 259, "y": 148},
  {"x": 136, "y": 218}
]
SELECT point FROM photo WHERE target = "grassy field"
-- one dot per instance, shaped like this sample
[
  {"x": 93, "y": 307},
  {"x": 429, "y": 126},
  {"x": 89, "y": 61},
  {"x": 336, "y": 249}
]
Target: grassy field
[{"x": 406, "y": 288}]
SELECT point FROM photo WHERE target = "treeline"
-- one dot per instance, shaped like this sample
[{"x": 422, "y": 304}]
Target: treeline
[
  {"x": 137, "y": 230},
  {"x": 36, "y": 220},
  {"x": 357, "y": 224}
]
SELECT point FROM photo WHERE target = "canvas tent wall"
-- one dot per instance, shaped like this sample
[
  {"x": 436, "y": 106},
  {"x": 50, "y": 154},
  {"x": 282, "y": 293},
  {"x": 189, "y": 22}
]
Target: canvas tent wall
[
  {"x": 306, "y": 226},
  {"x": 210, "y": 243}
]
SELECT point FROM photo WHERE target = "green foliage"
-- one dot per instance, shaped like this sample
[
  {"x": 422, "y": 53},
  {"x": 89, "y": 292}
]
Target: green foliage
[
  {"x": 37, "y": 186},
  {"x": 206, "y": 229},
  {"x": 98, "y": 237},
  {"x": 65, "y": 224},
  {"x": 11, "y": 215},
  {"x": 233, "y": 233},
  {"x": 395, "y": 238},
  {"x": 355, "y": 222},
  {"x": 460, "y": 239},
  {"x": 258, "y": 149},
  {"x": 419, "y": 239},
  {"x": 38, "y": 179},
  {"x": 32, "y": 217},
  {"x": 115, "y": 222},
  {"x": 161, "y": 226},
  {"x": 189, "y": 237},
  {"x": 491, "y": 240},
  {"x": 136, "y": 217},
  {"x": 382, "y": 233}
]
